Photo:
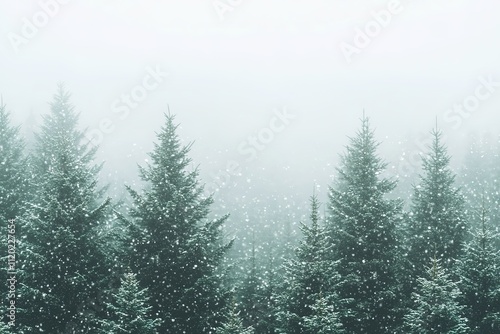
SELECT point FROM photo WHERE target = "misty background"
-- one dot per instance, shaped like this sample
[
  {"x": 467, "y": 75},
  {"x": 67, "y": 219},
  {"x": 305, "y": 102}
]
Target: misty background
[{"x": 226, "y": 69}]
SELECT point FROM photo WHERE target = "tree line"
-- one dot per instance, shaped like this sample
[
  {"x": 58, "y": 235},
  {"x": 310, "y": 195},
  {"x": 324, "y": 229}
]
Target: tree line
[{"x": 161, "y": 263}]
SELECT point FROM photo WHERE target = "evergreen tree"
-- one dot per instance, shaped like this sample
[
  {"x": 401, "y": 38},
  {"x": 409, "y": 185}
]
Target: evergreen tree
[
  {"x": 13, "y": 187},
  {"x": 479, "y": 176},
  {"x": 249, "y": 294},
  {"x": 363, "y": 228},
  {"x": 480, "y": 280},
  {"x": 61, "y": 258},
  {"x": 129, "y": 311},
  {"x": 436, "y": 308},
  {"x": 234, "y": 325},
  {"x": 175, "y": 251},
  {"x": 438, "y": 224},
  {"x": 307, "y": 276},
  {"x": 13, "y": 174},
  {"x": 323, "y": 319}
]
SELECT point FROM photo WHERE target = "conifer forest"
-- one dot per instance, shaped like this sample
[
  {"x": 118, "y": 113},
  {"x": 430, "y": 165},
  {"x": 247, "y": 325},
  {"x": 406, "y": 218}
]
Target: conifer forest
[{"x": 236, "y": 167}]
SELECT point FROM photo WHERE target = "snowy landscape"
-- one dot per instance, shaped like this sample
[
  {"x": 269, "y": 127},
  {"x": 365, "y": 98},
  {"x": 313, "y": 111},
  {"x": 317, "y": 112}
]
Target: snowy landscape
[{"x": 236, "y": 167}]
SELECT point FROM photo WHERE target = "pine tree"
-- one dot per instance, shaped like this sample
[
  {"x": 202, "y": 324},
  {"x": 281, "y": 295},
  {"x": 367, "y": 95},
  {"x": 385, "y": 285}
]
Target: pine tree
[
  {"x": 13, "y": 164},
  {"x": 62, "y": 261},
  {"x": 249, "y": 292},
  {"x": 175, "y": 251},
  {"x": 480, "y": 279},
  {"x": 129, "y": 311},
  {"x": 13, "y": 189},
  {"x": 479, "y": 176},
  {"x": 438, "y": 224},
  {"x": 436, "y": 308},
  {"x": 307, "y": 276},
  {"x": 234, "y": 325},
  {"x": 363, "y": 227},
  {"x": 323, "y": 319}
]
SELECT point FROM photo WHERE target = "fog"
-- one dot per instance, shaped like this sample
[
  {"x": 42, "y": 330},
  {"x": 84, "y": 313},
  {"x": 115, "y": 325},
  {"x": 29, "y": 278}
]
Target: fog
[{"x": 268, "y": 91}]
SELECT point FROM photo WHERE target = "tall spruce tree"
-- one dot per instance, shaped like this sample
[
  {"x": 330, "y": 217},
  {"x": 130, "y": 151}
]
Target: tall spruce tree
[
  {"x": 129, "y": 310},
  {"x": 176, "y": 251},
  {"x": 436, "y": 308},
  {"x": 363, "y": 227},
  {"x": 62, "y": 261},
  {"x": 438, "y": 225},
  {"x": 479, "y": 272},
  {"x": 308, "y": 276}
]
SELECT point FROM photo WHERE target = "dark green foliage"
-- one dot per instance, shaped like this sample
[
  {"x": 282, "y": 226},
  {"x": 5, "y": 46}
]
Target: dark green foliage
[
  {"x": 438, "y": 226},
  {"x": 323, "y": 318},
  {"x": 175, "y": 250},
  {"x": 234, "y": 325},
  {"x": 308, "y": 276},
  {"x": 365, "y": 239},
  {"x": 62, "y": 262},
  {"x": 129, "y": 311},
  {"x": 14, "y": 180},
  {"x": 436, "y": 308},
  {"x": 480, "y": 280}
]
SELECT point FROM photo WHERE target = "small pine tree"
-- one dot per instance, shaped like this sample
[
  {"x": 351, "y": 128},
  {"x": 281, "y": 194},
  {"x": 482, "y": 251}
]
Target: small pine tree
[
  {"x": 323, "y": 319},
  {"x": 362, "y": 223},
  {"x": 129, "y": 312},
  {"x": 438, "y": 224},
  {"x": 234, "y": 325},
  {"x": 436, "y": 308},
  {"x": 306, "y": 276},
  {"x": 175, "y": 251},
  {"x": 249, "y": 292},
  {"x": 480, "y": 280}
]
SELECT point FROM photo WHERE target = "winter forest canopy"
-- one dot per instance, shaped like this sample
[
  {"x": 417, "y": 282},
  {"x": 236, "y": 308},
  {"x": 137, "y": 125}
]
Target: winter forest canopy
[
  {"x": 257, "y": 167},
  {"x": 159, "y": 260}
]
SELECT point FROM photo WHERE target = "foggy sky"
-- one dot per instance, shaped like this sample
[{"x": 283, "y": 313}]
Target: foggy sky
[{"x": 231, "y": 72}]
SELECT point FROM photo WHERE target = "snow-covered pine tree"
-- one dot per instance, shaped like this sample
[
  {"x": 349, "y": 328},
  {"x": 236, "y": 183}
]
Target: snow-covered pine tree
[
  {"x": 362, "y": 223},
  {"x": 176, "y": 251},
  {"x": 234, "y": 325},
  {"x": 249, "y": 292},
  {"x": 323, "y": 319},
  {"x": 13, "y": 186},
  {"x": 308, "y": 276},
  {"x": 129, "y": 311},
  {"x": 438, "y": 225},
  {"x": 13, "y": 174},
  {"x": 480, "y": 176},
  {"x": 479, "y": 272},
  {"x": 435, "y": 305},
  {"x": 63, "y": 264}
]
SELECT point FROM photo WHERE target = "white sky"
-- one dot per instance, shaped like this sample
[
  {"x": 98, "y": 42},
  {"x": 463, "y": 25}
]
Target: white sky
[{"x": 227, "y": 75}]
